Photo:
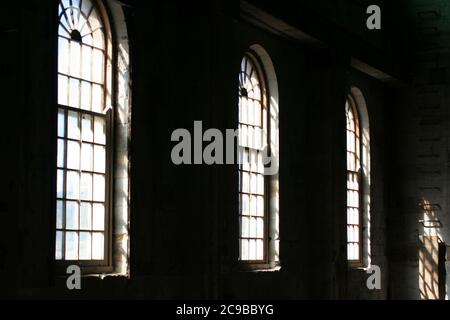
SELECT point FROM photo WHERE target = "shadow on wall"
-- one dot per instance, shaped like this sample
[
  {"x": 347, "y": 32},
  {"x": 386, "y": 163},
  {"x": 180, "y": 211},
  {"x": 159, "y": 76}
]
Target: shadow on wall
[{"x": 431, "y": 255}]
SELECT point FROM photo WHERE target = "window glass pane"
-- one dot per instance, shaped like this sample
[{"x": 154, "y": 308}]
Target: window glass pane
[
  {"x": 253, "y": 209},
  {"x": 86, "y": 7},
  {"x": 245, "y": 204},
  {"x": 253, "y": 226},
  {"x": 87, "y": 129},
  {"x": 74, "y": 93},
  {"x": 63, "y": 90},
  {"x": 73, "y": 185},
  {"x": 86, "y": 216},
  {"x": 260, "y": 228},
  {"x": 75, "y": 52},
  {"x": 260, "y": 206},
  {"x": 245, "y": 227},
  {"x": 59, "y": 214},
  {"x": 58, "y": 244},
  {"x": 63, "y": 55},
  {"x": 98, "y": 66},
  {"x": 86, "y": 187},
  {"x": 85, "y": 246},
  {"x": 252, "y": 250},
  {"x": 73, "y": 126},
  {"x": 245, "y": 182},
  {"x": 97, "y": 98},
  {"x": 85, "y": 95},
  {"x": 60, "y": 153},
  {"x": 97, "y": 246},
  {"x": 72, "y": 215},
  {"x": 71, "y": 246},
  {"x": 100, "y": 131},
  {"x": 99, "y": 187},
  {"x": 86, "y": 157},
  {"x": 61, "y": 123},
  {"x": 99, "y": 217},
  {"x": 87, "y": 62},
  {"x": 100, "y": 159},
  {"x": 259, "y": 249},
  {"x": 73, "y": 155},
  {"x": 244, "y": 249},
  {"x": 98, "y": 39},
  {"x": 60, "y": 184}
]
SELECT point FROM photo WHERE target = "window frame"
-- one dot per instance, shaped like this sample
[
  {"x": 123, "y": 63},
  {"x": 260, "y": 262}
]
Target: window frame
[
  {"x": 92, "y": 267},
  {"x": 357, "y": 263},
  {"x": 251, "y": 265}
]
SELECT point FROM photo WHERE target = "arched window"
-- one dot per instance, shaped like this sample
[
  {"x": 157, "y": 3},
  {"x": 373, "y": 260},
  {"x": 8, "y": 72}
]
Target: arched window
[
  {"x": 86, "y": 148},
  {"x": 358, "y": 182},
  {"x": 258, "y": 136}
]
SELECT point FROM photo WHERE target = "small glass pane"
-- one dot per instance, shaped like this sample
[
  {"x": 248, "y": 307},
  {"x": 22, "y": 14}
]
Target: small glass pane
[
  {"x": 87, "y": 129},
  {"x": 73, "y": 185},
  {"x": 58, "y": 244},
  {"x": 60, "y": 184},
  {"x": 245, "y": 204},
  {"x": 245, "y": 160},
  {"x": 245, "y": 182},
  {"x": 97, "y": 246},
  {"x": 59, "y": 214},
  {"x": 85, "y": 216},
  {"x": 253, "y": 227},
  {"x": 73, "y": 155},
  {"x": 85, "y": 95},
  {"x": 71, "y": 246},
  {"x": 73, "y": 130},
  {"x": 245, "y": 227},
  {"x": 97, "y": 98},
  {"x": 86, "y": 187},
  {"x": 61, "y": 123},
  {"x": 63, "y": 55},
  {"x": 99, "y": 188},
  {"x": 72, "y": 215},
  {"x": 99, "y": 217},
  {"x": 60, "y": 153},
  {"x": 74, "y": 93},
  {"x": 252, "y": 250},
  {"x": 260, "y": 250},
  {"x": 98, "y": 38},
  {"x": 86, "y": 157},
  {"x": 260, "y": 184},
  {"x": 97, "y": 66},
  {"x": 87, "y": 62},
  {"x": 260, "y": 207},
  {"x": 85, "y": 246},
  {"x": 86, "y": 7},
  {"x": 244, "y": 250},
  {"x": 100, "y": 131},
  {"x": 100, "y": 159},
  {"x": 253, "y": 203},
  {"x": 260, "y": 228},
  {"x": 63, "y": 90},
  {"x": 75, "y": 52}
]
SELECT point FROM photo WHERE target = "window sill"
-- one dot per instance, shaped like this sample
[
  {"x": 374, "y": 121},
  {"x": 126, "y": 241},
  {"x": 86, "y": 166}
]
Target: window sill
[{"x": 258, "y": 269}]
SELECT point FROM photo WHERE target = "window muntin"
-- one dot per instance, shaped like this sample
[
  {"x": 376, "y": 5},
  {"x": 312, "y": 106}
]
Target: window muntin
[
  {"x": 253, "y": 137},
  {"x": 354, "y": 183},
  {"x": 83, "y": 135}
]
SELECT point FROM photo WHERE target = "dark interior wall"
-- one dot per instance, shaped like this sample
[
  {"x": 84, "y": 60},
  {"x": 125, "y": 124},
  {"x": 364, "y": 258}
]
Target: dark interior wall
[{"x": 183, "y": 219}]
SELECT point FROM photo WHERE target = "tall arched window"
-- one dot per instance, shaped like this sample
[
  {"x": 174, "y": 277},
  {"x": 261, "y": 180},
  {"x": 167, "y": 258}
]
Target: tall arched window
[
  {"x": 85, "y": 146},
  {"x": 258, "y": 136},
  {"x": 358, "y": 181},
  {"x": 252, "y": 139}
]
